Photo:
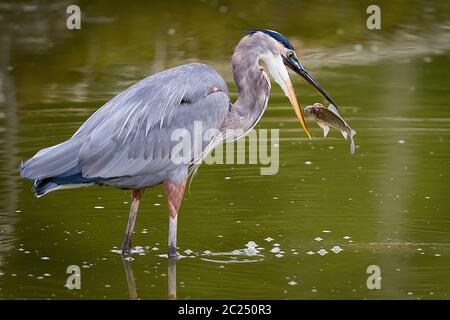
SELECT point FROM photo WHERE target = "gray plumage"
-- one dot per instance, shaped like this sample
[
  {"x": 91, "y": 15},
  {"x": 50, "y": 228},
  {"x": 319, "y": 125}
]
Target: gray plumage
[{"x": 127, "y": 142}]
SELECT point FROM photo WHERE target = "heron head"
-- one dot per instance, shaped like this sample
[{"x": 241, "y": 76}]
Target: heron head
[{"x": 280, "y": 54}]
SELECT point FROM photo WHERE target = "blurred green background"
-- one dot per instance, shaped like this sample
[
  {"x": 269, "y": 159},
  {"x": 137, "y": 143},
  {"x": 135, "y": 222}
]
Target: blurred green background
[{"x": 387, "y": 205}]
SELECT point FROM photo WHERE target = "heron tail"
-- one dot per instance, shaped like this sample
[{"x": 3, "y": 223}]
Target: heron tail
[
  {"x": 55, "y": 168},
  {"x": 58, "y": 160}
]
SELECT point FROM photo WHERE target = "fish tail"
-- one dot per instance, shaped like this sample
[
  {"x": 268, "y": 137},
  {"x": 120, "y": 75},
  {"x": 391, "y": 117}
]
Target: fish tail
[{"x": 352, "y": 142}]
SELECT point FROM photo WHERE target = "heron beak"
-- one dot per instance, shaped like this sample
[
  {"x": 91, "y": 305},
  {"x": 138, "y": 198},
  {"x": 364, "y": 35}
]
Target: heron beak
[
  {"x": 296, "y": 106},
  {"x": 299, "y": 69}
]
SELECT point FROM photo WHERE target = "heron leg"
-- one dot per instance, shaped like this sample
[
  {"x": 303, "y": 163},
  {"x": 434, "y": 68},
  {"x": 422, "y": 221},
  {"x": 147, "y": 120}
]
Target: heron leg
[
  {"x": 136, "y": 197},
  {"x": 175, "y": 192}
]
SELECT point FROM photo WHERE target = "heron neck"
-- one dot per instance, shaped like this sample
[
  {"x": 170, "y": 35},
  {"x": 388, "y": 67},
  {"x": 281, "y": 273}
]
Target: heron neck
[{"x": 252, "y": 83}]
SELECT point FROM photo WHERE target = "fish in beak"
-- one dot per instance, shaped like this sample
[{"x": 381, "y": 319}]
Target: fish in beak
[
  {"x": 291, "y": 61},
  {"x": 277, "y": 67}
]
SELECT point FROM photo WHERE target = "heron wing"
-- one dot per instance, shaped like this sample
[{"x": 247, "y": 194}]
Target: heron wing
[{"x": 132, "y": 133}]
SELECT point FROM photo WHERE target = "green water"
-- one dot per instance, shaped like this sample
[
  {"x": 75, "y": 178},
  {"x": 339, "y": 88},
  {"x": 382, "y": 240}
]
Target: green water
[{"x": 387, "y": 205}]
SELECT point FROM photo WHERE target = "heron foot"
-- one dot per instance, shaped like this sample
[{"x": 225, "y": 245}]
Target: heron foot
[
  {"x": 172, "y": 252},
  {"x": 126, "y": 249}
]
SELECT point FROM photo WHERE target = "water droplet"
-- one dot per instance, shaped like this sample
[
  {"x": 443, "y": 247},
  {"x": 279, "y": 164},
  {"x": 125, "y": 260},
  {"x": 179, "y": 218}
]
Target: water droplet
[
  {"x": 251, "y": 244},
  {"x": 336, "y": 249},
  {"x": 275, "y": 250}
]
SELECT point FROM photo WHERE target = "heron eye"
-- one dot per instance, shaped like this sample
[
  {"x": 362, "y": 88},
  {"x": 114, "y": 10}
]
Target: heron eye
[{"x": 290, "y": 54}]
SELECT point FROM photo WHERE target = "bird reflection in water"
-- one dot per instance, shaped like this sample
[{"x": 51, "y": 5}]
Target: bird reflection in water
[{"x": 171, "y": 279}]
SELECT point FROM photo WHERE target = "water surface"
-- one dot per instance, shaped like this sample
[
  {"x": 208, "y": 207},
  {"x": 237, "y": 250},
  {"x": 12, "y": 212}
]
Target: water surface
[{"x": 387, "y": 205}]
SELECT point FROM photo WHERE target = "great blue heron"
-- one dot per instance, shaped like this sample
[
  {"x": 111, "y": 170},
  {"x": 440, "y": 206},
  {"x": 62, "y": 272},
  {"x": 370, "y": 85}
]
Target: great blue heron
[{"x": 127, "y": 142}]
